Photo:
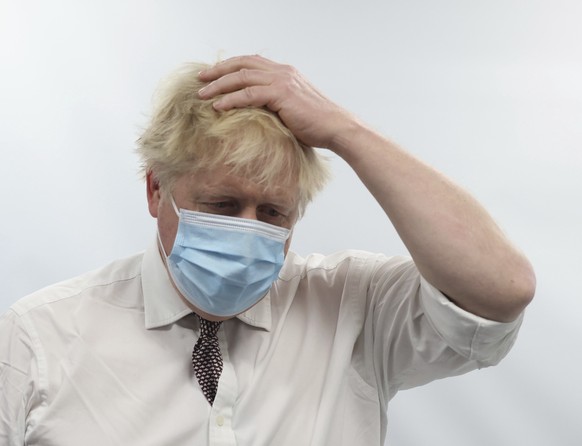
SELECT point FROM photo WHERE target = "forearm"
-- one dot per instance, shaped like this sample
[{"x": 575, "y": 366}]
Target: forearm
[{"x": 455, "y": 244}]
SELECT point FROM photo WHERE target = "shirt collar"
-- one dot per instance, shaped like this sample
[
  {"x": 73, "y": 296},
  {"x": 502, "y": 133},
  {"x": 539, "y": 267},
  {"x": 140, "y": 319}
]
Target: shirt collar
[{"x": 164, "y": 306}]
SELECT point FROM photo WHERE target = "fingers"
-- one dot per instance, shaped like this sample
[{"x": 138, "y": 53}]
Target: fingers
[
  {"x": 239, "y": 80},
  {"x": 235, "y": 64},
  {"x": 254, "y": 96},
  {"x": 253, "y": 81},
  {"x": 243, "y": 81}
]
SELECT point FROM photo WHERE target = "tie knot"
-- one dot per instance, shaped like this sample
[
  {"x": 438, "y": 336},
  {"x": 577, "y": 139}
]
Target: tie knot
[{"x": 208, "y": 328}]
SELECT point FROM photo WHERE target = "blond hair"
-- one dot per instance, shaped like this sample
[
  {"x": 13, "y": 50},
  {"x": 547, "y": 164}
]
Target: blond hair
[{"x": 187, "y": 134}]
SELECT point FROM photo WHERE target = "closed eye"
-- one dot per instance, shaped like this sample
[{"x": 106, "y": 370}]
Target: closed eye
[
  {"x": 221, "y": 207},
  {"x": 272, "y": 212},
  {"x": 272, "y": 215}
]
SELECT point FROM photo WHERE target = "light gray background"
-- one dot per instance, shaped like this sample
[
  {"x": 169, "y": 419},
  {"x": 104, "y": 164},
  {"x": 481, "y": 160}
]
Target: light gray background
[{"x": 488, "y": 92}]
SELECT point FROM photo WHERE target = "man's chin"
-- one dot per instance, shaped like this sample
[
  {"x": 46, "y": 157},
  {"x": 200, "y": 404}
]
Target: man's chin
[
  {"x": 202, "y": 314},
  {"x": 210, "y": 317}
]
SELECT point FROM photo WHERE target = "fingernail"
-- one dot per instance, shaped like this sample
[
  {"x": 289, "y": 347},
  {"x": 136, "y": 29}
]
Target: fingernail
[{"x": 202, "y": 91}]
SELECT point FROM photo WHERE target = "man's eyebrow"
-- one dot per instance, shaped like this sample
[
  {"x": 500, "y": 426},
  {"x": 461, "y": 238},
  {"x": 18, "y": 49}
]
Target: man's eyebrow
[{"x": 234, "y": 194}]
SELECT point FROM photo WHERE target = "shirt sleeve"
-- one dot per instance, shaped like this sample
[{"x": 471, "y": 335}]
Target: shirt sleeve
[
  {"x": 475, "y": 338},
  {"x": 418, "y": 335},
  {"x": 16, "y": 379}
]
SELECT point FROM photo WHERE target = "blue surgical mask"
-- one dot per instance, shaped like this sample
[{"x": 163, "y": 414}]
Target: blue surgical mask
[{"x": 225, "y": 265}]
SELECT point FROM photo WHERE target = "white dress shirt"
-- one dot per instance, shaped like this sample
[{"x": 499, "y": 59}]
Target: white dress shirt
[{"x": 105, "y": 358}]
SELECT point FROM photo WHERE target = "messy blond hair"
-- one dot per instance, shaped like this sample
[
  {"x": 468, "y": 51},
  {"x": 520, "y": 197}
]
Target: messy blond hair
[{"x": 187, "y": 134}]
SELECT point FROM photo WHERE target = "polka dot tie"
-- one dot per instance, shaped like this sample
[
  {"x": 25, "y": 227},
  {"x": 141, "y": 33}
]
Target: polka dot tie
[{"x": 206, "y": 358}]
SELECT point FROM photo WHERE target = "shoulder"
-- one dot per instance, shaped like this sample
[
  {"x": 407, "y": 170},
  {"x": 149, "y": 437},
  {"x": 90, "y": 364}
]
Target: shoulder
[
  {"x": 343, "y": 262},
  {"x": 115, "y": 275}
]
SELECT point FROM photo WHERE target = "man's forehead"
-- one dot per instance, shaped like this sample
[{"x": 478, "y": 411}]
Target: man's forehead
[{"x": 220, "y": 181}]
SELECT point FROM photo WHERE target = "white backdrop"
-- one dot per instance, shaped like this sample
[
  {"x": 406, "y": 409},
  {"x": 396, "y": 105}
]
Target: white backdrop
[{"x": 488, "y": 92}]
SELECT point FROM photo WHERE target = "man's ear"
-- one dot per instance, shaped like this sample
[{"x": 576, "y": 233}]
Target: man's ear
[{"x": 153, "y": 193}]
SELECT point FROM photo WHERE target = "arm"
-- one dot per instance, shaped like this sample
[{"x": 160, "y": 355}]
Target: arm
[{"x": 455, "y": 244}]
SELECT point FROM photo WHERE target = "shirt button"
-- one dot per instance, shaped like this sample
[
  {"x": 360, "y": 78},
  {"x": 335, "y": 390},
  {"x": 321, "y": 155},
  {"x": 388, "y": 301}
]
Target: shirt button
[{"x": 220, "y": 420}]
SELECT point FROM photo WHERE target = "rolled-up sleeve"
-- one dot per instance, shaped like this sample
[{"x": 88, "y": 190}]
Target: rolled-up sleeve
[
  {"x": 471, "y": 336},
  {"x": 418, "y": 335}
]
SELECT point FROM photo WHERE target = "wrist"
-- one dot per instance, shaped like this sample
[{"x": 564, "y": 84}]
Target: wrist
[
  {"x": 345, "y": 137},
  {"x": 353, "y": 140}
]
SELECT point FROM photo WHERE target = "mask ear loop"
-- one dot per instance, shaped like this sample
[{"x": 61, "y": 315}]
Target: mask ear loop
[
  {"x": 161, "y": 244},
  {"x": 177, "y": 211}
]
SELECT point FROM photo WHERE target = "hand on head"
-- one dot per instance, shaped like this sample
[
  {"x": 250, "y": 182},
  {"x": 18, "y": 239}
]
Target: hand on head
[{"x": 255, "y": 81}]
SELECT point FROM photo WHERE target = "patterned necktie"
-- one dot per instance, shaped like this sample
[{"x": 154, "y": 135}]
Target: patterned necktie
[{"x": 206, "y": 358}]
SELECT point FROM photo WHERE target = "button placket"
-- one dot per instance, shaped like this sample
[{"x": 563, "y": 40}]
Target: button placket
[{"x": 220, "y": 421}]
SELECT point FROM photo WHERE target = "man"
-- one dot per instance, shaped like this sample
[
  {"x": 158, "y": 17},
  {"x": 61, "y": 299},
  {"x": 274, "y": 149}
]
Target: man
[{"x": 284, "y": 350}]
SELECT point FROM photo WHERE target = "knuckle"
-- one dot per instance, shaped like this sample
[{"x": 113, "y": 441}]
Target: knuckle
[
  {"x": 250, "y": 93},
  {"x": 289, "y": 74},
  {"x": 290, "y": 70},
  {"x": 244, "y": 75}
]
